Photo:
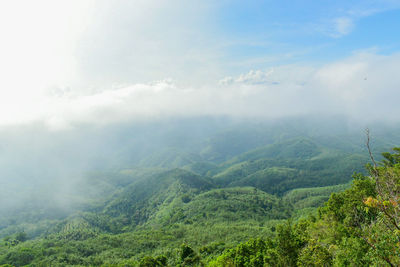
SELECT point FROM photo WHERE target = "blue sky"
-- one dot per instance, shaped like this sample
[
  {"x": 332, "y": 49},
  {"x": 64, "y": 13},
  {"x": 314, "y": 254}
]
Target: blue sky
[{"x": 308, "y": 31}]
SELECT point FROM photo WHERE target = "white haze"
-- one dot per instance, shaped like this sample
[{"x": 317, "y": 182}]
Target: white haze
[
  {"x": 99, "y": 62},
  {"x": 363, "y": 87},
  {"x": 79, "y": 67}
]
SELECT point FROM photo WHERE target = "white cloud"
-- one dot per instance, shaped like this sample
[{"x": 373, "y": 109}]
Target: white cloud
[
  {"x": 346, "y": 21},
  {"x": 342, "y": 26},
  {"x": 137, "y": 41},
  {"x": 337, "y": 27},
  {"x": 364, "y": 86},
  {"x": 252, "y": 77},
  {"x": 47, "y": 44},
  {"x": 89, "y": 45},
  {"x": 37, "y": 42}
]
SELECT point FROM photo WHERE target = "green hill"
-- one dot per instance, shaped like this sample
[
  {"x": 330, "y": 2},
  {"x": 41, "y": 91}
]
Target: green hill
[
  {"x": 169, "y": 158},
  {"x": 235, "y": 204},
  {"x": 143, "y": 198},
  {"x": 281, "y": 167},
  {"x": 198, "y": 197}
]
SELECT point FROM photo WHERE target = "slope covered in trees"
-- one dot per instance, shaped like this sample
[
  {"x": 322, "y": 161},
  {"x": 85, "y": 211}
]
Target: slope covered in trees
[
  {"x": 254, "y": 205},
  {"x": 356, "y": 227}
]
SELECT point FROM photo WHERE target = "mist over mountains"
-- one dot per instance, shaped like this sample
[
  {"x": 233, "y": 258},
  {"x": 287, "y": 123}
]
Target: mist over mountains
[
  {"x": 48, "y": 166},
  {"x": 171, "y": 179},
  {"x": 199, "y": 133}
]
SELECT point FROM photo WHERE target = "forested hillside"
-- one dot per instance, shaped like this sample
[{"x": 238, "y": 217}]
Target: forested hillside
[
  {"x": 199, "y": 133},
  {"x": 198, "y": 202},
  {"x": 356, "y": 227}
]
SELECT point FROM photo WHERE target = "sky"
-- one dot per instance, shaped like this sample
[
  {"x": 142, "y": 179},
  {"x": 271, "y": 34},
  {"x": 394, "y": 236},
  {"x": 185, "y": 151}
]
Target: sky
[{"x": 67, "y": 63}]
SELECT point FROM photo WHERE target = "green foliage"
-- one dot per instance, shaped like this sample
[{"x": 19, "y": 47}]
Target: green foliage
[
  {"x": 232, "y": 204},
  {"x": 314, "y": 254},
  {"x": 299, "y": 194},
  {"x": 149, "y": 261},
  {"x": 247, "y": 254},
  {"x": 357, "y": 227},
  {"x": 20, "y": 256},
  {"x": 187, "y": 256},
  {"x": 288, "y": 244},
  {"x": 21, "y": 237},
  {"x": 266, "y": 170},
  {"x": 227, "y": 208}
]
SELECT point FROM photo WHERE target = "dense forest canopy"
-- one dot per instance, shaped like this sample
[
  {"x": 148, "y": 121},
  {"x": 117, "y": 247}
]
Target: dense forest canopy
[{"x": 240, "y": 194}]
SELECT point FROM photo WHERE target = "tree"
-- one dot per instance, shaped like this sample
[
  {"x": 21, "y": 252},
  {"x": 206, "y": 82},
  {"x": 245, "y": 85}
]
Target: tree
[{"x": 383, "y": 233}]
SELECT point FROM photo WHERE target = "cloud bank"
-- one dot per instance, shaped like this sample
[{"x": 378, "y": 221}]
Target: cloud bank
[
  {"x": 62, "y": 73},
  {"x": 364, "y": 86}
]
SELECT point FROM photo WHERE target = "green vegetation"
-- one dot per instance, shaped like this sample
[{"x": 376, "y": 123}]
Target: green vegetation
[
  {"x": 272, "y": 201},
  {"x": 356, "y": 227}
]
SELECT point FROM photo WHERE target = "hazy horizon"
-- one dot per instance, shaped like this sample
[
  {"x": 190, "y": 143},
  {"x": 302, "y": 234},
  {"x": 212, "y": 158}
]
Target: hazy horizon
[{"x": 101, "y": 85}]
